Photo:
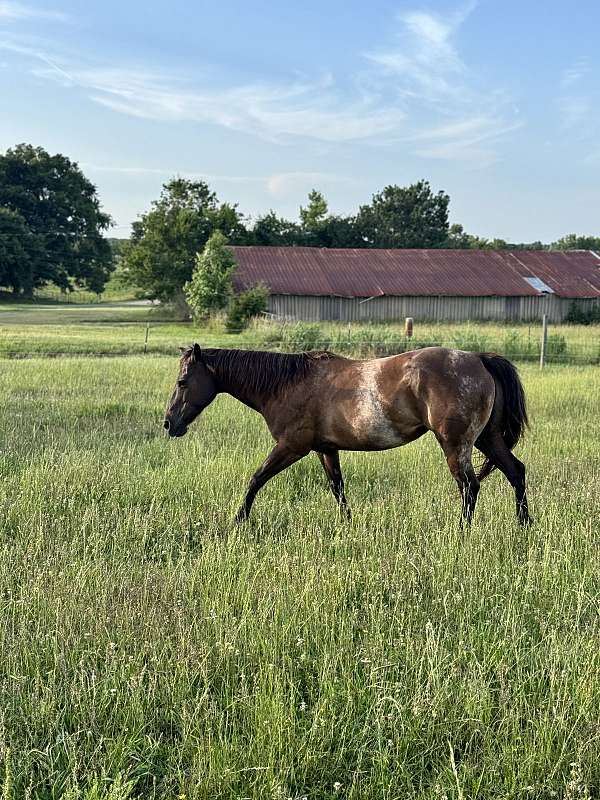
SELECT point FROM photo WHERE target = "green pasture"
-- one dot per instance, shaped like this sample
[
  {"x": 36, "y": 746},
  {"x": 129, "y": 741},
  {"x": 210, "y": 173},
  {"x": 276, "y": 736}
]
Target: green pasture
[{"x": 150, "y": 650}]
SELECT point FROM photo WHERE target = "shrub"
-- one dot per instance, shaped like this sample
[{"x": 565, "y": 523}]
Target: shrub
[
  {"x": 581, "y": 316},
  {"x": 246, "y": 305},
  {"x": 296, "y": 336},
  {"x": 556, "y": 345}
]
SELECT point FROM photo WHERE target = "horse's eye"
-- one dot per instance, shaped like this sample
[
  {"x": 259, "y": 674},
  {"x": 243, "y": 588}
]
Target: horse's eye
[{"x": 181, "y": 383}]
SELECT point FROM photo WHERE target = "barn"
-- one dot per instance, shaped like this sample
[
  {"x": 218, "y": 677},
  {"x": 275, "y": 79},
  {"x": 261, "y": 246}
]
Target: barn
[{"x": 313, "y": 284}]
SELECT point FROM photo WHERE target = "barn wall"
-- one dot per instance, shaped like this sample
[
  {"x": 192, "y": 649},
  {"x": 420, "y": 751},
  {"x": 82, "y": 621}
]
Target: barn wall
[{"x": 447, "y": 309}]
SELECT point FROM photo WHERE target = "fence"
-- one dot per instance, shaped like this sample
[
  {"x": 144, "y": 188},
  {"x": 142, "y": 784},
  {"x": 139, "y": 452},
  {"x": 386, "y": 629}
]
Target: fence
[
  {"x": 160, "y": 339},
  {"x": 58, "y": 296}
]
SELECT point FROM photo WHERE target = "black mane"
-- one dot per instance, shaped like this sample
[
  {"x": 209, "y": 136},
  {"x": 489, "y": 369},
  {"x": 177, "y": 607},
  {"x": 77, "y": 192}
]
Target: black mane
[{"x": 263, "y": 372}]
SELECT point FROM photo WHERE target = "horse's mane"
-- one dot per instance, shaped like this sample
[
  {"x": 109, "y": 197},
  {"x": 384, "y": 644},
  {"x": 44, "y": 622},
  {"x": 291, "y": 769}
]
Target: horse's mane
[{"x": 263, "y": 372}]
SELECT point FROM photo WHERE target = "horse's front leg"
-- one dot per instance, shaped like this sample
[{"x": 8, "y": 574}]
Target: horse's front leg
[{"x": 281, "y": 457}]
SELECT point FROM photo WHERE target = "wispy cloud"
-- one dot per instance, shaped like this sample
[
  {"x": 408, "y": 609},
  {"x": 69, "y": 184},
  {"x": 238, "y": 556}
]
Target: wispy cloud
[
  {"x": 14, "y": 12},
  {"x": 576, "y": 113},
  {"x": 424, "y": 55},
  {"x": 291, "y": 183},
  {"x": 279, "y": 184},
  {"x": 415, "y": 90},
  {"x": 437, "y": 86},
  {"x": 576, "y": 102},
  {"x": 575, "y": 73},
  {"x": 313, "y": 109},
  {"x": 467, "y": 140}
]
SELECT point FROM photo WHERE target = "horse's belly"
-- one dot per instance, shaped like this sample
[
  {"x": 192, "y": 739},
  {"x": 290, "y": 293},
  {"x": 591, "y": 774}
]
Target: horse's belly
[
  {"x": 370, "y": 428},
  {"x": 382, "y": 437}
]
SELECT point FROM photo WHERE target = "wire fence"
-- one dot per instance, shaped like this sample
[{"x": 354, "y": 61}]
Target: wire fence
[
  {"x": 78, "y": 296},
  {"x": 141, "y": 339}
]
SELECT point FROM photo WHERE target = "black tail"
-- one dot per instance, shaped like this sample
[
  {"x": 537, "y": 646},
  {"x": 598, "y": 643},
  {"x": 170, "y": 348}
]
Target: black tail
[{"x": 513, "y": 415}]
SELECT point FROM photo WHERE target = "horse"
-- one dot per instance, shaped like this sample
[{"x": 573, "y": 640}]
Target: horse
[{"x": 323, "y": 403}]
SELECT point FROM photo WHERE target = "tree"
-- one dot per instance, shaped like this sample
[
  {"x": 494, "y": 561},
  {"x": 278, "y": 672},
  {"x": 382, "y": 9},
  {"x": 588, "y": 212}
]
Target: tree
[
  {"x": 410, "y": 216},
  {"x": 313, "y": 217},
  {"x": 458, "y": 238},
  {"x": 273, "y": 231},
  {"x": 320, "y": 229},
  {"x": 161, "y": 254},
  {"x": 316, "y": 229},
  {"x": 59, "y": 207},
  {"x": 211, "y": 286},
  {"x": 19, "y": 250},
  {"x": 313, "y": 220},
  {"x": 574, "y": 242}
]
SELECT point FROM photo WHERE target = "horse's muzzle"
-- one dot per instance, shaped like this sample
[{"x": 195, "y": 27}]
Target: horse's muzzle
[{"x": 174, "y": 430}]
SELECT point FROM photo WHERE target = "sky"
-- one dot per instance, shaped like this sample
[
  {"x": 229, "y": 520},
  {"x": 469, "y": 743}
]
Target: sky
[{"x": 497, "y": 102}]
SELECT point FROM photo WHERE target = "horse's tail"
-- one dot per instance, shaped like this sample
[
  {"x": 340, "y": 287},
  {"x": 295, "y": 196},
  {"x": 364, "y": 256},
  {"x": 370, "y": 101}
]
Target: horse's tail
[{"x": 512, "y": 417}]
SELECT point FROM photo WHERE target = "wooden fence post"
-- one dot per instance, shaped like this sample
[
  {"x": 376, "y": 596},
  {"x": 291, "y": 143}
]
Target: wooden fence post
[
  {"x": 146, "y": 337},
  {"x": 408, "y": 327},
  {"x": 544, "y": 346}
]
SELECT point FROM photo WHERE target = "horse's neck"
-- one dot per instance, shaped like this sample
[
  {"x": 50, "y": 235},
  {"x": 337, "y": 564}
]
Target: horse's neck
[{"x": 236, "y": 386}]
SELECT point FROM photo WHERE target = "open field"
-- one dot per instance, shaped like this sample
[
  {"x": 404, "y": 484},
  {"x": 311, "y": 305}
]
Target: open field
[{"x": 149, "y": 650}]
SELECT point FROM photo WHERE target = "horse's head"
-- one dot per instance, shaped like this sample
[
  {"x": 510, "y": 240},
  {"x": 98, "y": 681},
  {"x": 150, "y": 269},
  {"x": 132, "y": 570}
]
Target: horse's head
[{"x": 195, "y": 389}]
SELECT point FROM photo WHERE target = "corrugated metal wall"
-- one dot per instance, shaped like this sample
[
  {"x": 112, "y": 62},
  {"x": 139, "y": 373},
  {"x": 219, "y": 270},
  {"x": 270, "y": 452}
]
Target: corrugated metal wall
[{"x": 446, "y": 309}]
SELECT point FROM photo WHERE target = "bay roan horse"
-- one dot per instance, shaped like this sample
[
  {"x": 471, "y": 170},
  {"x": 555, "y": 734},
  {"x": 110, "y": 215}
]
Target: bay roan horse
[{"x": 326, "y": 403}]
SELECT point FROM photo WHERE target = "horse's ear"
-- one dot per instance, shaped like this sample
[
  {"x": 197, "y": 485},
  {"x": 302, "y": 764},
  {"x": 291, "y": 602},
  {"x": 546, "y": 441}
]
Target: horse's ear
[{"x": 196, "y": 353}]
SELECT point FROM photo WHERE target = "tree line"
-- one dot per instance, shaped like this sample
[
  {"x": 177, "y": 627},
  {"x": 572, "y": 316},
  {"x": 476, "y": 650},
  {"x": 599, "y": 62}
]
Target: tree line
[{"x": 53, "y": 228}]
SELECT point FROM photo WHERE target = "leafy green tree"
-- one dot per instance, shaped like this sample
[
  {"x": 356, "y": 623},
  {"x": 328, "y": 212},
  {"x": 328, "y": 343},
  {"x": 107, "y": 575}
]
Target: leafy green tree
[
  {"x": 575, "y": 242},
  {"x": 19, "y": 251},
  {"x": 211, "y": 286},
  {"x": 245, "y": 306},
  {"x": 161, "y": 253},
  {"x": 273, "y": 231},
  {"x": 341, "y": 232},
  {"x": 321, "y": 229},
  {"x": 458, "y": 238},
  {"x": 317, "y": 228},
  {"x": 411, "y": 216},
  {"x": 59, "y": 207},
  {"x": 314, "y": 216}
]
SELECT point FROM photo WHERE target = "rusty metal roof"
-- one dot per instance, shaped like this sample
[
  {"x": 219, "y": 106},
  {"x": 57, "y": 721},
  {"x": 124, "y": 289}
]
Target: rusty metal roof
[{"x": 369, "y": 273}]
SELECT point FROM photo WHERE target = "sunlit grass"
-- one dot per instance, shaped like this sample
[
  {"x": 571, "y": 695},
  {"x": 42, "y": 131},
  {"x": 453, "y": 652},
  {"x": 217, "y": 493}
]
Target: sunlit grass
[{"x": 151, "y": 650}]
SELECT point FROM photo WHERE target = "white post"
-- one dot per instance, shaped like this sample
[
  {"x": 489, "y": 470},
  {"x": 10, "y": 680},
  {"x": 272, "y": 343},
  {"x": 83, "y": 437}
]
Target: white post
[{"x": 544, "y": 340}]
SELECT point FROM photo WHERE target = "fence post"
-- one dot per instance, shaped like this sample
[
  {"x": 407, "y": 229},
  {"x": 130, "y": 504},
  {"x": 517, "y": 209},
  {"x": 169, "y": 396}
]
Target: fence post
[
  {"x": 544, "y": 341},
  {"x": 408, "y": 327},
  {"x": 146, "y": 337}
]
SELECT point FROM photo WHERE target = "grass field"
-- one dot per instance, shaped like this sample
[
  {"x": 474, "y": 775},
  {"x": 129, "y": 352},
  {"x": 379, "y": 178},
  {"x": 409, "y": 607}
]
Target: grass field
[{"x": 150, "y": 650}]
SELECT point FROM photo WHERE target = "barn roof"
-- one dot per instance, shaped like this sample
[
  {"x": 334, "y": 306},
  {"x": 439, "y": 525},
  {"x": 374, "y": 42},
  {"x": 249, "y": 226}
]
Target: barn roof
[{"x": 372, "y": 273}]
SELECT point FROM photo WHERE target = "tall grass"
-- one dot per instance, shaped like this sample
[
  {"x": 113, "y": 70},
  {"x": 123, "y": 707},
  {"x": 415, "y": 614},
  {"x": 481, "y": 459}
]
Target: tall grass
[{"x": 151, "y": 650}]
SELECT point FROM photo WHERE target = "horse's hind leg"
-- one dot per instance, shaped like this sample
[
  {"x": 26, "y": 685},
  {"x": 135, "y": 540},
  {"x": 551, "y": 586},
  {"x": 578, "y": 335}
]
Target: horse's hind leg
[
  {"x": 458, "y": 457},
  {"x": 494, "y": 447},
  {"x": 331, "y": 465}
]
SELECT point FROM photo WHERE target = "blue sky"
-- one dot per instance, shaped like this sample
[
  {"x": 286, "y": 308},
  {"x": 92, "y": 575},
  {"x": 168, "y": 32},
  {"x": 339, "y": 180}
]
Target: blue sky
[{"x": 495, "y": 101}]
